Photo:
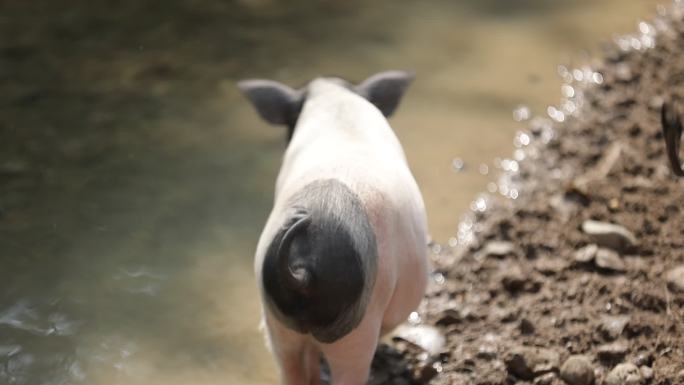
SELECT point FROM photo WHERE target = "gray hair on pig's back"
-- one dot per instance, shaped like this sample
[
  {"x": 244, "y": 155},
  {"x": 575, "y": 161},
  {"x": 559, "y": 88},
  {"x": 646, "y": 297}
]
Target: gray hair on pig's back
[{"x": 320, "y": 268}]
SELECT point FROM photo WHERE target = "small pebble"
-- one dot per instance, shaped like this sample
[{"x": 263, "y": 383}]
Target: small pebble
[
  {"x": 675, "y": 278},
  {"x": 513, "y": 279},
  {"x": 615, "y": 351},
  {"x": 545, "y": 379},
  {"x": 623, "y": 374},
  {"x": 612, "y": 326},
  {"x": 549, "y": 265},
  {"x": 527, "y": 363},
  {"x": 609, "y": 235},
  {"x": 427, "y": 337},
  {"x": 487, "y": 351},
  {"x": 450, "y": 317},
  {"x": 646, "y": 373},
  {"x": 610, "y": 260},
  {"x": 498, "y": 249},
  {"x": 577, "y": 370},
  {"x": 526, "y": 327},
  {"x": 585, "y": 254},
  {"x": 643, "y": 359}
]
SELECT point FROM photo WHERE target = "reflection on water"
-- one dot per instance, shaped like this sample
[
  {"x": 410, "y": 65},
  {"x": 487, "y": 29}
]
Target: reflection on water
[{"x": 134, "y": 180}]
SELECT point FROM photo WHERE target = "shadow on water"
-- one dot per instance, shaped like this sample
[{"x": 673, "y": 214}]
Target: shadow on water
[{"x": 134, "y": 180}]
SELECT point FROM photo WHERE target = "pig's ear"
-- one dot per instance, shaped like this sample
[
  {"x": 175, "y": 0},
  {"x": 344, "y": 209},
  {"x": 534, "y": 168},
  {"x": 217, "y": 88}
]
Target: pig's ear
[
  {"x": 275, "y": 102},
  {"x": 385, "y": 89}
]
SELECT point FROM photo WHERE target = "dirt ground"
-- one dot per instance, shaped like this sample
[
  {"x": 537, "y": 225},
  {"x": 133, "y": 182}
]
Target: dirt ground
[{"x": 530, "y": 283}]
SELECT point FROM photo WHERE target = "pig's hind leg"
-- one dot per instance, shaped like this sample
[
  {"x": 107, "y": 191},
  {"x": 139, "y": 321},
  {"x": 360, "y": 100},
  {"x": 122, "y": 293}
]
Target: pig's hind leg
[
  {"x": 291, "y": 351},
  {"x": 312, "y": 361},
  {"x": 350, "y": 357}
]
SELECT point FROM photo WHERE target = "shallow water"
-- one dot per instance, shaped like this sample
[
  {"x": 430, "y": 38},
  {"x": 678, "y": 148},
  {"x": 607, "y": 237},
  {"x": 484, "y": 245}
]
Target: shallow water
[{"x": 134, "y": 180}]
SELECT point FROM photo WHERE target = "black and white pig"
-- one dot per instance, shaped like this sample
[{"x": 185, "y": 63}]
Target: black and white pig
[{"x": 342, "y": 258}]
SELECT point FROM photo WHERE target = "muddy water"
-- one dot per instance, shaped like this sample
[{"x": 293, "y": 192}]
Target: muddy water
[{"x": 134, "y": 180}]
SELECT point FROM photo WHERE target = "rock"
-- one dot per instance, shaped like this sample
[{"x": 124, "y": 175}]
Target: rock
[
  {"x": 610, "y": 260},
  {"x": 527, "y": 363},
  {"x": 612, "y": 326},
  {"x": 643, "y": 359},
  {"x": 427, "y": 337},
  {"x": 450, "y": 317},
  {"x": 675, "y": 278},
  {"x": 526, "y": 327},
  {"x": 585, "y": 254},
  {"x": 548, "y": 265},
  {"x": 612, "y": 352},
  {"x": 577, "y": 370},
  {"x": 609, "y": 235},
  {"x": 498, "y": 249},
  {"x": 623, "y": 374},
  {"x": 646, "y": 373},
  {"x": 486, "y": 351},
  {"x": 488, "y": 347},
  {"x": 513, "y": 279},
  {"x": 545, "y": 379}
]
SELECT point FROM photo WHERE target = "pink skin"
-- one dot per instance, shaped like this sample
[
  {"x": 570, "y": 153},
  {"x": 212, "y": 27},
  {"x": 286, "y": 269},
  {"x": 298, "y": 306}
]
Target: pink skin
[{"x": 358, "y": 148}]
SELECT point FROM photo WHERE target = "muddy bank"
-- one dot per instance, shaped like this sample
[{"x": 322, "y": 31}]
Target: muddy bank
[{"x": 539, "y": 276}]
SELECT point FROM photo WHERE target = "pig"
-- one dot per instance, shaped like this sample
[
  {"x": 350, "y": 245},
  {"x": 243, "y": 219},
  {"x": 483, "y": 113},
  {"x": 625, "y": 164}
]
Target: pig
[{"x": 342, "y": 258}]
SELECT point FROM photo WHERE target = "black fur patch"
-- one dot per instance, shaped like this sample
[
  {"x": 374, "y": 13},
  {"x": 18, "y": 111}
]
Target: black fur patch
[{"x": 330, "y": 262}]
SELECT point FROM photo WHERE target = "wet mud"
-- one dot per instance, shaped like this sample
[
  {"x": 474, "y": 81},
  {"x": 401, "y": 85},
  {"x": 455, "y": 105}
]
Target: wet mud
[{"x": 588, "y": 260}]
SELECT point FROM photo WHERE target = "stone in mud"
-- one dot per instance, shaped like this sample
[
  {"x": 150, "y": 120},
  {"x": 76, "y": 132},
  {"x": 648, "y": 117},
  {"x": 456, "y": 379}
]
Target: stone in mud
[
  {"x": 585, "y": 254},
  {"x": 577, "y": 370},
  {"x": 527, "y": 363},
  {"x": 486, "y": 351},
  {"x": 549, "y": 265},
  {"x": 498, "y": 249},
  {"x": 427, "y": 337},
  {"x": 623, "y": 374},
  {"x": 646, "y": 373},
  {"x": 610, "y": 260},
  {"x": 526, "y": 327},
  {"x": 612, "y": 352},
  {"x": 450, "y": 317},
  {"x": 612, "y": 326},
  {"x": 643, "y": 359},
  {"x": 513, "y": 280},
  {"x": 675, "y": 278},
  {"x": 609, "y": 235},
  {"x": 545, "y": 379}
]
